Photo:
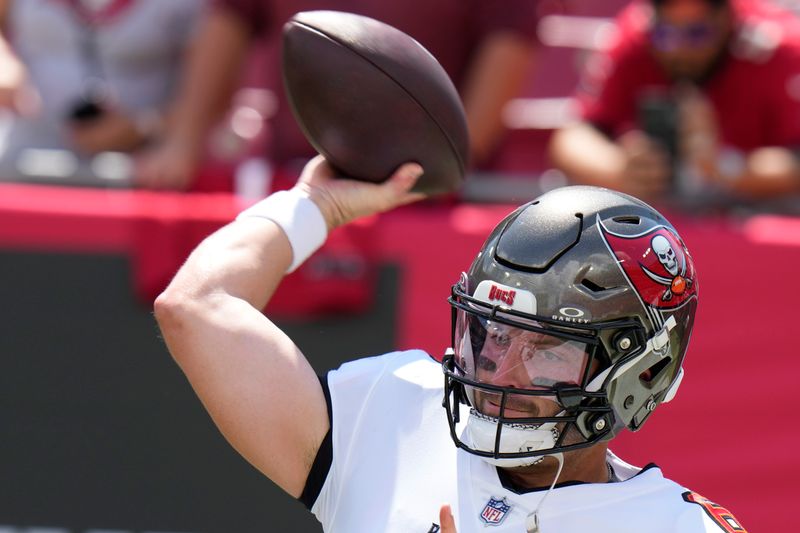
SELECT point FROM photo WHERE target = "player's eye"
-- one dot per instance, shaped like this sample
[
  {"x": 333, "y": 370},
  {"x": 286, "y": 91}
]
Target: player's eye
[
  {"x": 486, "y": 364},
  {"x": 501, "y": 339},
  {"x": 551, "y": 355}
]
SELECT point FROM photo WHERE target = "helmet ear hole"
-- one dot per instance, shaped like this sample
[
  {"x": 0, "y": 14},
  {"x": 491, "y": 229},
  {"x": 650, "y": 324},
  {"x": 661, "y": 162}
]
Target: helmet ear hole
[{"x": 655, "y": 371}]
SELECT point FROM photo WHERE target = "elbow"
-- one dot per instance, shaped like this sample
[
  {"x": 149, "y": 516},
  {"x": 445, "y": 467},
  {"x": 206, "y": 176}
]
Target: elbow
[
  {"x": 173, "y": 314},
  {"x": 170, "y": 309}
]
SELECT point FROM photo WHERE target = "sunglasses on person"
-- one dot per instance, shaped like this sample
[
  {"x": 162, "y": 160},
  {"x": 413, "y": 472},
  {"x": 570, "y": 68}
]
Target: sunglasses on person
[{"x": 668, "y": 37}]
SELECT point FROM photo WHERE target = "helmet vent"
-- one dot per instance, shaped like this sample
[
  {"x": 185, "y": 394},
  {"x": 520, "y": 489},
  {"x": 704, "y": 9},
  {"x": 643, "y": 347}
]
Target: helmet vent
[
  {"x": 627, "y": 219},
  {"x": 592, "y": 286},
  {"x": 556, "y": 230},
  {"x": 655, "y": 371}
]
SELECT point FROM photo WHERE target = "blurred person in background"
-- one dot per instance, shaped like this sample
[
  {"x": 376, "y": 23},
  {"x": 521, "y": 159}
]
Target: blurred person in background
[
  {"x": 485, "y": 46},
  {"x": 693, "y": 97},
  {"x": 89, "y": 76}
]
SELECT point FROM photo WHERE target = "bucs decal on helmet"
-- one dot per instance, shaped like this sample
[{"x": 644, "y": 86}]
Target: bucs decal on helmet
[
  {"x": 496, "y": 294},
  {"x": 657, "y": 265}
]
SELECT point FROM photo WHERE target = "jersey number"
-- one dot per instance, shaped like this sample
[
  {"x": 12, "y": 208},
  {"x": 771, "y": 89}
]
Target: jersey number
[{"x": 717, "y": 513}]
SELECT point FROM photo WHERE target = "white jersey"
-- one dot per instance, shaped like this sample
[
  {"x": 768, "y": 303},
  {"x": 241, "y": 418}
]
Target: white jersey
[{"x": 394, "y": 464}]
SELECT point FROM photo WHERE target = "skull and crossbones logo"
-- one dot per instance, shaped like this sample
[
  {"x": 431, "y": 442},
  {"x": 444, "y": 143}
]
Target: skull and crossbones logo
[{"x": 673, "y": 263}]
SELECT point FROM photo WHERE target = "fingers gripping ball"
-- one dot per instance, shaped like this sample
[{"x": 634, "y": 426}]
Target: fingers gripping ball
[{"x": 369, "y": 98}]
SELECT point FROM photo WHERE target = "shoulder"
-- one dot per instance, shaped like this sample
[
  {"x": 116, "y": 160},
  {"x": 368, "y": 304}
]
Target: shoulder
[
  {"x": 618, "y": 69},
  {"x": 362, "y": 392},
  {"x": 373, "y": 402},
  {"x": 411, "y": 367},
  {"x": 766, "y": 36},
  {"x": 626, "y": 48},
  {"x": 386, "y": 363},
  {"x": 689, "y": 511},
  {"x": 705, "y": 516},
  {"x": 668, "y": 502},
  {"x": 631, "y": 27}
]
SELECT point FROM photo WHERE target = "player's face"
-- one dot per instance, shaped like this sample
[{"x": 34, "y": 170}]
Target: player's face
[
  {"x": 687, "y": 37},
  {"x": 521, "y": 359}
]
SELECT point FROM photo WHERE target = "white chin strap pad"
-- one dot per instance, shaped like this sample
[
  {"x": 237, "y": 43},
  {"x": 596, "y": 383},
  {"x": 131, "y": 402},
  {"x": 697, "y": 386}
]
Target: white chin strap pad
[{"x": 482, "y": 431}]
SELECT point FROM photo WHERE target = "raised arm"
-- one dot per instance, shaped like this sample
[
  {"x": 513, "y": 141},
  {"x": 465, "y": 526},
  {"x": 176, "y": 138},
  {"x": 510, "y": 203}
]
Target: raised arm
[
  {"x": 258, "y": 388},
  {"x": 632, "y": 164},
  {"x": 496, "y": 76}
]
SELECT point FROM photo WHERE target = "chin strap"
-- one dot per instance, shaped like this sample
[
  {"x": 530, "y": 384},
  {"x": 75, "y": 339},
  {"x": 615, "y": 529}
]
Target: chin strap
[
  {"x": 482, "y": 432},
  {"x": 532, "y": 521}
]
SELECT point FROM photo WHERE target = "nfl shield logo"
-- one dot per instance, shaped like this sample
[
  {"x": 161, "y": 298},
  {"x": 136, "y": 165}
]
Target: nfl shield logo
[{"x": 495, "y": 511}]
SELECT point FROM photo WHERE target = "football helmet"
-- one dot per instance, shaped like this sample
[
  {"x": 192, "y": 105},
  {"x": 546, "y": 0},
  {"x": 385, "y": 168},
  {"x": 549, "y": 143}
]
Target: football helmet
[{"x": 571, "y": 324}]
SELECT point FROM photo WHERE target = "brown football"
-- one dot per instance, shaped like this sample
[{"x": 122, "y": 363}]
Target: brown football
[{"x": 369, "y": 98}]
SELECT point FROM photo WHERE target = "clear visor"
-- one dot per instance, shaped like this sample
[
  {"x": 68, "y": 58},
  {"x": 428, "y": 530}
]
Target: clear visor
[{"x": 499, "y": 354}]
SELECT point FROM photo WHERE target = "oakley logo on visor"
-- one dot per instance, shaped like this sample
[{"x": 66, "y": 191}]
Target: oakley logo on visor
[{"x": 572, "y": 315}]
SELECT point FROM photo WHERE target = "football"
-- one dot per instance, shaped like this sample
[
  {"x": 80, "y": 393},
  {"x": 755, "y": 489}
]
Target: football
[{"x": 369, "y": 97}]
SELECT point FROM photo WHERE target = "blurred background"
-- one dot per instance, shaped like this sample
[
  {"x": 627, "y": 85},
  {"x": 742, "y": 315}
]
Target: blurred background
[{"x": 131, "y": 129}]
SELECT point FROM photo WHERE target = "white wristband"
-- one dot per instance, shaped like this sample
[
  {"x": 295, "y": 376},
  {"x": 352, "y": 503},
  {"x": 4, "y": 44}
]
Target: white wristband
[{"x": 299, "y": 218}]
